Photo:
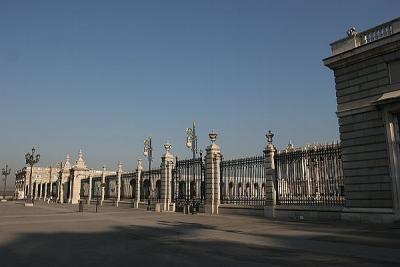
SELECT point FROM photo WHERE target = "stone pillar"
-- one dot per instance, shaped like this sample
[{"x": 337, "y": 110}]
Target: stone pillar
[
  {"x": 119, "y": 173},
  {"x": 71, "y": 183},
  {"x": 90, "y": 190},
  {"x": 271, "y": 182},
  {"x": 45, "y": 191},
  {"x": 61, "y": 191},
  {"x": 137, "y": 187},
  {"x": 36, "y": 190},
  {"x": 103, "y": 181},
  {"x": 212, "y": 179},
  {"x": 167, "y": 162}
]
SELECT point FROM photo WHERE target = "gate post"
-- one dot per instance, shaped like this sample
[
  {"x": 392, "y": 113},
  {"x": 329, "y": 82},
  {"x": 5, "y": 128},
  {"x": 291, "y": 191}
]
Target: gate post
[
  {"x": 167, "y": 162},
  {"x": 212, "y": 179},
  {"x": 90, "y": 190},
  {"x": 103, "y": 181},
  {"x": 119, "y": 173},
  {"x": 270, "y": 194},
  {"x": 137, "y": 187}
]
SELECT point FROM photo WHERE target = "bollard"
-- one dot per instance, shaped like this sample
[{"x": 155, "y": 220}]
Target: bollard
[{"x": 80, "y": 205}]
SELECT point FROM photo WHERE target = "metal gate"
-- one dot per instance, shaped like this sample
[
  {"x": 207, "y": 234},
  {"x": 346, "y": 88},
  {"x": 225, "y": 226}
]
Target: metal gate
[
  {"x": 243, "y": 181},
  {"x": 188, "y": 186}
]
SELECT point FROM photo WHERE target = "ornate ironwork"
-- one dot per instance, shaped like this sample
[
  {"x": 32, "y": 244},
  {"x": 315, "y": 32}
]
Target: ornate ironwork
[
  {"x": 243, "y": 181},
  {"x": 188, "y": 186},
  {"x": 310, "y": 176}
]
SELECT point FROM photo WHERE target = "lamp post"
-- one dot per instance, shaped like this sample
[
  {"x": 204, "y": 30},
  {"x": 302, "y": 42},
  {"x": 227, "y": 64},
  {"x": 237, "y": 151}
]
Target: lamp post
[
  {"x": 191, "y": 143},
  {"x": 6, "y": 171},
  {"x": 191, "y": 139},
  {"x": 31, "y": 159},
  {"x": 59, "y": 183},
  {"x": 148, "y": 153}
]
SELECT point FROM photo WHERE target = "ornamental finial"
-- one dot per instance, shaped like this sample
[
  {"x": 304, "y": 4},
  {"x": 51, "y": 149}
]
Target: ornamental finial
[
  {"x": 167, "y": 147},
  {"x": 269, "y": 137},
  {"x": 213, "y": 136},
  {"x": 351, "y": 32}
]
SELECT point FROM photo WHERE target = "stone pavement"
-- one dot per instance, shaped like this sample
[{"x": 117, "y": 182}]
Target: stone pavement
[{"x": 58, "y": 235}]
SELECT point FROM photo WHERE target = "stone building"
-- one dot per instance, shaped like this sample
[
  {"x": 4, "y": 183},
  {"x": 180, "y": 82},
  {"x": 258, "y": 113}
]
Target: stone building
[
  {"x": 62, "y": 184},
  {"x": 366, "y": 67}
]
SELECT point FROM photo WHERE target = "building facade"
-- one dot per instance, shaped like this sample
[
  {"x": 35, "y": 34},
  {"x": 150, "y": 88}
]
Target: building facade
[
  {"x": 61, "y": 184},
  {"x": 366, "y": 67}
]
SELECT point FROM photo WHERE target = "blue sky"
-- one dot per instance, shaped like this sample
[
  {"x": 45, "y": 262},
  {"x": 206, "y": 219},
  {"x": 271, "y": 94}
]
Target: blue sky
[{"x": 103, "y": 75}]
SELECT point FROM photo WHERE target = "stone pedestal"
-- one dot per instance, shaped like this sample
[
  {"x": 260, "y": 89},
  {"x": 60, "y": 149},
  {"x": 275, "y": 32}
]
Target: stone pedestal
[
  {"x": 137, "y": 187},
  {"x": 212, "y": 177},
  {"x": 269, "y": 152},
  {"x": 167, "y": 162},
  {"x": 119, "y": 173}
]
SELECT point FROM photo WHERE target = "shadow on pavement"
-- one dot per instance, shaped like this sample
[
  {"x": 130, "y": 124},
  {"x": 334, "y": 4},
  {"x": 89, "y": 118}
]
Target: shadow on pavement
[{"x": 166, "y": 244}]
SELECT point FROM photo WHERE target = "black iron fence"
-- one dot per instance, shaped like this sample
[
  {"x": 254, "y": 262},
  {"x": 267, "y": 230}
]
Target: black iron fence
[
  {"x": 85, "y": 187},
  {"x": 96, "y": 187},
  {"x": 188, "y": 186},
  {"x": 243, "y": 181},
  {"x": 150, "y": 185},
  {"x": 312, "y": 175},
  {"x": 110, "y": 189}
]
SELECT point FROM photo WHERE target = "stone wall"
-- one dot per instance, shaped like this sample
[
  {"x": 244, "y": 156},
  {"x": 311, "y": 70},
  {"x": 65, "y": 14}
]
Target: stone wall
[{"x": 362, "y": 76}]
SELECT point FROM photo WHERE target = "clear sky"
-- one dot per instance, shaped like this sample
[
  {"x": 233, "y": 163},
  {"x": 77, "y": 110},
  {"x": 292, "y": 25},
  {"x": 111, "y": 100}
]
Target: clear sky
[{"x": 104, "y": 75}]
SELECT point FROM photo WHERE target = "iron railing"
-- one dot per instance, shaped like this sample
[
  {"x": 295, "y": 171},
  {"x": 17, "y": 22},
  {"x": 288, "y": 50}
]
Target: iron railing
[
  {"x": 147, "y": 187},
  {"x": 110, "y": 189},
  {"x": 128, "y": 185},
  {"x": 312, "y": 175},
  {"x": 188, "y": 186},
  {"x": 243, "y": 181},
  {"x": 84, "y": 188}
]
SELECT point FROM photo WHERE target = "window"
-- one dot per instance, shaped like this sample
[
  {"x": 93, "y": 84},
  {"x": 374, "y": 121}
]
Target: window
[{"x": 394, "y": 69}]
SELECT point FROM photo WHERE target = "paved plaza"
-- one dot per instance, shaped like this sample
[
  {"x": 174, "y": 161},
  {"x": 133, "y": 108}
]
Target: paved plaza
[{"x": 58, "y": 235}]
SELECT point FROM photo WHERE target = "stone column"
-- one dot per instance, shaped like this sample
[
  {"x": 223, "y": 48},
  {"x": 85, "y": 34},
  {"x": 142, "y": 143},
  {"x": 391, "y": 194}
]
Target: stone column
[
  {"x": 137, "y": 187},
  {"x": 167, "y": 162},
  {"x": 45, "y": 191},
  {"x": 271, "y": 182},
  {"x": 71, "y": 182},
  {"x": 212, "y": 179},
  {"x": 103, "y": 181},
  {"x": 36, "y": 190},
  {"x": 60, "y": 191},
  {"x": 90, "y": 190},
  {"x": 119, "y": 173}
]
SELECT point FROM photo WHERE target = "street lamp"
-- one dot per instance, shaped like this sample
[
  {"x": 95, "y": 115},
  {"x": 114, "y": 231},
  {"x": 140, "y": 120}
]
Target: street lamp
[
  {"x": 31, "y": 159},
  {"x": 191, "y": 139},
  {"x": 6, "y": 171},
  {"x": 148, "y": 153},
  {"x": 59, "y": 183},
  {"x": 191, "y": 143}
]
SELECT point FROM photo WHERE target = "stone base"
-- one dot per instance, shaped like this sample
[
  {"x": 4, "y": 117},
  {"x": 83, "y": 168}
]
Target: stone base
[
  {"x": 136, "y": 205},
  {"x": 369, "y": 215},
  {"x": 171, "y": 207},
  {"x": 157, "y": 207},
  {"x": 210, "y": 209},
  {"x": 28, "y": 204},
  {"x": 269, "y": 212},
  {"x": 4, "y": 200}
]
